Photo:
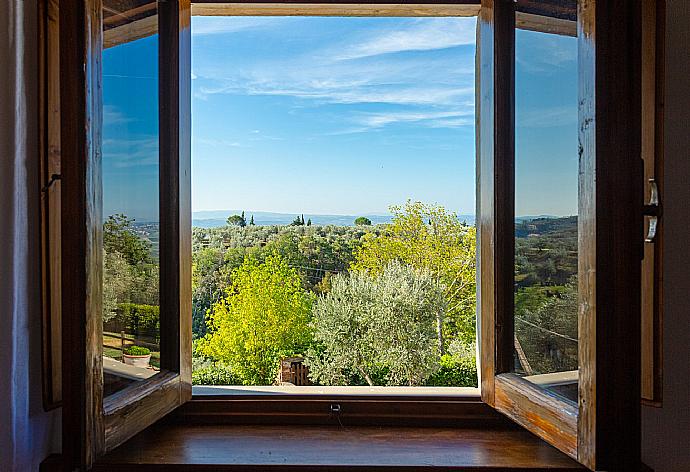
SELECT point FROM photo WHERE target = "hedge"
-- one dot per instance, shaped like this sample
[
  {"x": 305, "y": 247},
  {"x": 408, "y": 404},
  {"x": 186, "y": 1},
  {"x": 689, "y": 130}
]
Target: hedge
[
  {"x": 216, "y": 374},
  {"x": 455, "y": 372},
  {"x": 139, "y": 319}
]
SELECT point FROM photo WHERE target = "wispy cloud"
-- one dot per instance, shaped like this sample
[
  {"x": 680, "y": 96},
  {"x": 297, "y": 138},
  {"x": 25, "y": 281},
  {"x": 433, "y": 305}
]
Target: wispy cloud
[
  {"x": 233, "y": 24},
  {"x": 424, "y": 35},
  {"x": 358, "y": 70},
  {"x": 547, "y": 117},
  {"x": 135, "y": 152},
  {"x": 112, "y": 115},
  {"x": 426, "y": 118}
]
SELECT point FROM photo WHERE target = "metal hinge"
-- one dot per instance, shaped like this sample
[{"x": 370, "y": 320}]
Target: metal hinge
[{"x": 652, "y": 210}]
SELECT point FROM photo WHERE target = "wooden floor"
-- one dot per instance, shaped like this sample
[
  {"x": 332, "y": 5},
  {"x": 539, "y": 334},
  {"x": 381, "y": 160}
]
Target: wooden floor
[{"x": 321, "y": 448}]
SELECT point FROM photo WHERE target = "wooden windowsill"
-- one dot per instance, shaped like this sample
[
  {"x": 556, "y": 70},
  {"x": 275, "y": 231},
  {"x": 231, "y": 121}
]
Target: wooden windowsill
[{"x": 173, "y": 447}]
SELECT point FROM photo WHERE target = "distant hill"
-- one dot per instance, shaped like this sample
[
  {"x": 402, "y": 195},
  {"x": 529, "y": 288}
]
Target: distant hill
[{"x": 217, "y": 218}]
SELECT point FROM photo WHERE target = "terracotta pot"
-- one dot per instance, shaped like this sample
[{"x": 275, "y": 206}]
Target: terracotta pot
[{"x": 137, "y": 361}]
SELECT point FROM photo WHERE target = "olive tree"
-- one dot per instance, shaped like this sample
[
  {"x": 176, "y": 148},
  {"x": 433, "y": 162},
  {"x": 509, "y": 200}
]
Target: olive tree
[{"x": 379, "y": 327}]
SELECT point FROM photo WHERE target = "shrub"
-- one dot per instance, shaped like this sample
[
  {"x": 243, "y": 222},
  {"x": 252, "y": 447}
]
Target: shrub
[
  {"x": 218, "y": 373},
  {"x": 140, "y": 319},
  {"x": 264, "y": 316},
  {"x": 369, "y": 325},
  {"x": 137, "y": 351},
  {"x": 455, "y": 372}
]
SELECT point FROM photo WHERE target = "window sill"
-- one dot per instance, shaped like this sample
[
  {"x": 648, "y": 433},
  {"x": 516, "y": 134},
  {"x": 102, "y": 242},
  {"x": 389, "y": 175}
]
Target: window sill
[{"x": 172, "y": 447}]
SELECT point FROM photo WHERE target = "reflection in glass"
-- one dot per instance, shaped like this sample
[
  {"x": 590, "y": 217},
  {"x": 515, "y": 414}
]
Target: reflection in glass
[
  {"x": 131, "y": 327},
  {"x": 546, "y": 198}
]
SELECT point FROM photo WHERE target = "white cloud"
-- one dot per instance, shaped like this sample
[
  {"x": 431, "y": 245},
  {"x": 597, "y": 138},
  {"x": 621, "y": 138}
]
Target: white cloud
[
  {"x": 233, "y": 24},
  {"x": 430, "y": 118},
  {"x": 422, "y": 35}
]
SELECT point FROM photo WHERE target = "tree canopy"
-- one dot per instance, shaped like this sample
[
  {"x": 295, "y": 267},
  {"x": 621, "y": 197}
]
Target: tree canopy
[
  {"x": 363, "y": 221},
  {"x": 432, "y": 238},
  {"x": 379, "y": 327},
  {"x": 264, "y": 315}
]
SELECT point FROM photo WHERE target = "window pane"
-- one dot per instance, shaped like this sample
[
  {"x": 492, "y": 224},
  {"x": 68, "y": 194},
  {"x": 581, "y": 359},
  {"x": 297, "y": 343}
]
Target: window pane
[
  {"x": 130, "y": 193},
  {"x": 546, "y": 207}
]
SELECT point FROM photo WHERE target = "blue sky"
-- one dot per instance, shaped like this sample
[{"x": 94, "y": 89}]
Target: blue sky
[{"x": 338, "y": 116}]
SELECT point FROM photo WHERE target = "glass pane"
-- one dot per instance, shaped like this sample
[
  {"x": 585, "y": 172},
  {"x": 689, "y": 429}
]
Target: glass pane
[
  {"x": 131, "y": 327},
  {"x": 546, "y": 207}
]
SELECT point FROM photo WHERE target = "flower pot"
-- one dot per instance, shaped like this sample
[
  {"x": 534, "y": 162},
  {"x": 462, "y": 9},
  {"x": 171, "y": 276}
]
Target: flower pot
[{"x": 137, "y": 361}]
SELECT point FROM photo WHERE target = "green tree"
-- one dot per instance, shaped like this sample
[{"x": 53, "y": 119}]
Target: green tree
[
  {"x": 429, "y": 237},
  {"x": 309, "y": 222},
  {"x": 298, "y": 221},
  {"x": 264, "y": 316},
  {"x": 237, "y": 220},
  {"x": 371, "y": 325},
  {"x": 363, "y": 221},
  {"x": 120, "y": 236},
  {"x": 251, "y": 221}
]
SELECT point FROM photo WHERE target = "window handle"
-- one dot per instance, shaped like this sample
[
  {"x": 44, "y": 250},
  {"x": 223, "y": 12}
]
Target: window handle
[{"x": 652, "y": 210}]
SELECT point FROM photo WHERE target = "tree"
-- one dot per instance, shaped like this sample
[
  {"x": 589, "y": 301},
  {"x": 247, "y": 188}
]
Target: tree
[
  {"x": 429, "y": 237},
  {"x": 237, "y": 220},
  {"x": 298, "y": 221},
  {"x": 251, "y": 221},
  {"x": 377, "y": 327},
  {"x": 309, "y": 222},
  {"x": 118, "y": 282},
  {"x": 120, "y": 236},
  {"x": 265, "y": 315},
  {"x": 363, "y": 221}
]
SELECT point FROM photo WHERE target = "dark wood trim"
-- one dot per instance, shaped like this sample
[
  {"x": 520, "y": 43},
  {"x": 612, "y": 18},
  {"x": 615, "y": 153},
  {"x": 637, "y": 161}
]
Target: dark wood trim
[
  {"x": 175, "y": 185},
  {"x": 610, "y": 224},
  {"x": 331, "y": 8},
  {"x": 495, "y": 191},
  {"x": 545, "y": 414},
  {"x": 49, "y": 189},
  {"x": 344, "y": 2},
  {"x": 80, "y": 136},
  {"x": 653, "y": 44},
  {"x": 340, "y": 410}
]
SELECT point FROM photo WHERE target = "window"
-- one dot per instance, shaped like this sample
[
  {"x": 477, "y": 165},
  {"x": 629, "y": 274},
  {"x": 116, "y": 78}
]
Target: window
[
  {"x": 600, "y": 430},
  {"x": 354, "y": 139}
]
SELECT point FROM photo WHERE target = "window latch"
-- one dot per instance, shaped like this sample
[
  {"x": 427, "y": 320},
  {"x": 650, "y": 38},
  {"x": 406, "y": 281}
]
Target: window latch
[
  {"x": 53, "y": 179},
  {"x": 652, "y": 210}
]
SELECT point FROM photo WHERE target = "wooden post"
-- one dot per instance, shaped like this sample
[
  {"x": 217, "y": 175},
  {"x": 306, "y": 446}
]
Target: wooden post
[{"x": 122, "y": 346}]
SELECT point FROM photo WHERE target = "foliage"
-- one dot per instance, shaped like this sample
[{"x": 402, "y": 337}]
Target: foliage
[
  {"x": 298, "y": 221},
  {"x": 217, "y": 373},
  {"x": 547, "y": 330},
  {"x": 238, "y": 220},
  {"x": 136, "y": 351},
  {"x": 120, "y": 236},
  {"x": 546, "y": 298},
  {"x": 368, "y": 324},
  {"x": 431, "y": 238},
  {"x": 264, "y": 315},
  {"x": 363, "y": 221},
  {"x": 139, "y": 319},
  {"x": 455, "y": 372},
  {"x": 118, "y": 282}
]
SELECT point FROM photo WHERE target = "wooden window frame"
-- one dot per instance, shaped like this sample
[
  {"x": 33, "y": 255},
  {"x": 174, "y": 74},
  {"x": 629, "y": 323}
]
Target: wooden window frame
[
  {"x": 604, "y": 430},
  {"x": 92, "y": 424}
]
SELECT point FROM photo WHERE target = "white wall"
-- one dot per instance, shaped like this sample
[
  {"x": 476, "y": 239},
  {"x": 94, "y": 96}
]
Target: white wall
[
  {"x": 666, "y": 430},
  {"x": 27, "y": 433}
]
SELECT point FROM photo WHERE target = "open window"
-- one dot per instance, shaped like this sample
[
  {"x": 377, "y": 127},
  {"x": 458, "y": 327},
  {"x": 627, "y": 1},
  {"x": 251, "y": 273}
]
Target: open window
[
  {"x": 583, "y": 394},
  {"x": 558, "y": 343}
]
